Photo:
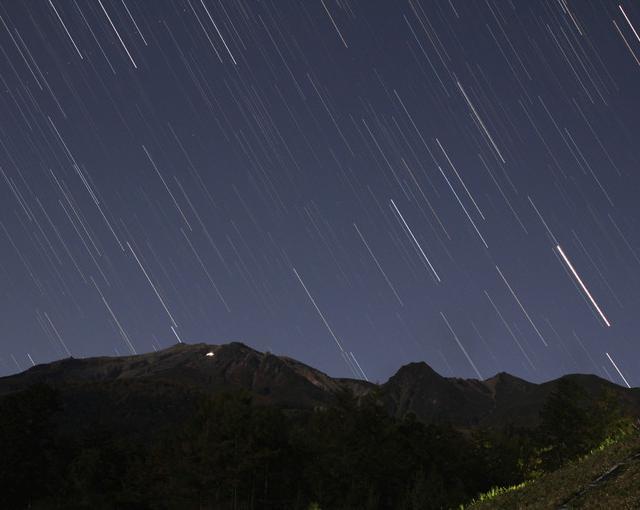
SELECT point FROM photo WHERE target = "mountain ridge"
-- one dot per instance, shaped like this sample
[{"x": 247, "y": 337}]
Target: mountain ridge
[{"x": 185, "y": 371}]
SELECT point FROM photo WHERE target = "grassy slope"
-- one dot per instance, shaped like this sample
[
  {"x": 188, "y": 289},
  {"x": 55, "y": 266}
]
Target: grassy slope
[{"x": 558, "y": 490}]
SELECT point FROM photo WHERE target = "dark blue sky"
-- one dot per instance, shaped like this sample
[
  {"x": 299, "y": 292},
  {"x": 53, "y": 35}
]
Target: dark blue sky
[{"x": 356, "y": 184}]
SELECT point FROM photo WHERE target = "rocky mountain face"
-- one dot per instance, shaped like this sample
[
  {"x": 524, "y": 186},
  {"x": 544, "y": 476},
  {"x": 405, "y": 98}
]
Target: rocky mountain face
[
  {"x": 497, "y": 401},
  {"x": 276, "y": 380},
  {"x": 146, "y": 392}
]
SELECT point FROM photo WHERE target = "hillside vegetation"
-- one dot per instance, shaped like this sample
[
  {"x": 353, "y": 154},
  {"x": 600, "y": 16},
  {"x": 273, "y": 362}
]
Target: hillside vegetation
[{"x": 607, "y": 478}]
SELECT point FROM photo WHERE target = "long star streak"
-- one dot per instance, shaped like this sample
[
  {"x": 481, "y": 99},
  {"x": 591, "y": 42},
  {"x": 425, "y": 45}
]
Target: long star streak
[
  {"x": 583, "y": 286},
  {"x": 415, "y": 240},
  {"x": 618, "y": 370}
]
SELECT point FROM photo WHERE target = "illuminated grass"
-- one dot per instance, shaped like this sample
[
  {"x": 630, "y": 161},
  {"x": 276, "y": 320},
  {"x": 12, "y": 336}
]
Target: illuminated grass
[
  {"x": 552, "y": 490},
  {"x": 493, "y": 493}
]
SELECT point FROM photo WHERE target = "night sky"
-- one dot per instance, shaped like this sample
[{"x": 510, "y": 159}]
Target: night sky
[{"x": 353, "y": 183}]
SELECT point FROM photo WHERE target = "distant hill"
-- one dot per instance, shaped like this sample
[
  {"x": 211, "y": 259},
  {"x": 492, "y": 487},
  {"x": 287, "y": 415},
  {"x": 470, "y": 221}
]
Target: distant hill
[
  {"x": 500, "y": 399},
  {"x": 147, "y": 391}
]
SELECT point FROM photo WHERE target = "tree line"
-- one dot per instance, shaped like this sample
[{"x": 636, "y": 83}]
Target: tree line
[{"x": 235, "y": 455}]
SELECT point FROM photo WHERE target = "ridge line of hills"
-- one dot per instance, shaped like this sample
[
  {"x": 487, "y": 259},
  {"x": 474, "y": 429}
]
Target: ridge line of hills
[{"x": 185, "y": 369}]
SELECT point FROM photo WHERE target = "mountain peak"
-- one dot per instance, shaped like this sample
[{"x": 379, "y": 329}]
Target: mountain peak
[
  {"x": 201, "y": 367},
  {"x": 414, "y": 370},
  {"x": 178, "y": 374}
]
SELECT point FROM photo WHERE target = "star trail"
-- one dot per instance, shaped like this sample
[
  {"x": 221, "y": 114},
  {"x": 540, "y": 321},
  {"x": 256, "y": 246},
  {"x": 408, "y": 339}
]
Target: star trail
[{"x": 354, "y": 183}]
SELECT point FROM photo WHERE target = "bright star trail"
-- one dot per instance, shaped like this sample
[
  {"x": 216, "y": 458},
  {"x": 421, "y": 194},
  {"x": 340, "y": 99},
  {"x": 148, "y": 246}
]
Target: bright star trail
[
  {"x": 164, "y": 165},
  {"x": 582, "y": 285},
  {"x": 618, "y": 370}
]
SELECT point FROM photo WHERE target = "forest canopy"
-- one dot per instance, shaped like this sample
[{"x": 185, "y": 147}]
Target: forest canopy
[{"x": 234, "y": 454}]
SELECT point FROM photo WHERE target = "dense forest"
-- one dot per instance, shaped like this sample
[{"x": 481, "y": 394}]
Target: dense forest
[{"x": 234, "y": 454}]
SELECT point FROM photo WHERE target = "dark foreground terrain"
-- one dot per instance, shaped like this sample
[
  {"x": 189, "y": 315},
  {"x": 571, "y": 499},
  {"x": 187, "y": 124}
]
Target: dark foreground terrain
[
  {"x": 607, "y": 478},
  {"x": 227, "y": 427}
]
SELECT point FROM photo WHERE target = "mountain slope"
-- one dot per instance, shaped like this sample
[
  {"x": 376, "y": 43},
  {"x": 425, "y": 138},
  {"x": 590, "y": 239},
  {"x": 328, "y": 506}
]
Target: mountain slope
[
  {"x": 501, "y": 399},
  {"x": 607, "y": 478},
  {"x": 144, "y": 394},
  {"x": 150, "y": 389},
  {"x": 202, "y": 366}
]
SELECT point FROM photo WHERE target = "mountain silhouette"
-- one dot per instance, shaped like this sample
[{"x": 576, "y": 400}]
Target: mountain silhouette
[{"x": 147, "y": 392}]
